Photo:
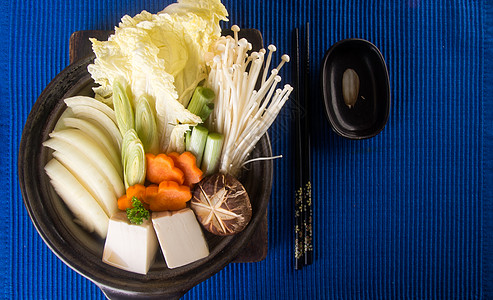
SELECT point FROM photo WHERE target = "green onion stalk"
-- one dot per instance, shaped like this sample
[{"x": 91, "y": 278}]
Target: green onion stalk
[
  {"x": 146, "y": 126},
  {"x": 133, "y": 158},
  {"x": 123, "y": 108}
]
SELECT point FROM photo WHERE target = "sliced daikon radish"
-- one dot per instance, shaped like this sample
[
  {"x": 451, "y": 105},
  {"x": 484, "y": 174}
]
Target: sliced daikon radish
[
  {"x": 88, "y": 101},
  {"x": 86, "y": 173},
  {"x": 98, "y": 134},
  {"x": 78, "y": 139},
  {"x": 81, "y": 203},
  {"x": 91, "y": 113},
  {"x": 67, "y": 113}
]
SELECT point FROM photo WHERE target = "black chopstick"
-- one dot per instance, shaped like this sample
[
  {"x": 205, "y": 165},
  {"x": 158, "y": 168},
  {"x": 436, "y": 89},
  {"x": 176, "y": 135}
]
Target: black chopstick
[
  {"x": 299, "y": 231},
  {"x": 307, "y": 180},
  {"x": 303, "y": 187}
]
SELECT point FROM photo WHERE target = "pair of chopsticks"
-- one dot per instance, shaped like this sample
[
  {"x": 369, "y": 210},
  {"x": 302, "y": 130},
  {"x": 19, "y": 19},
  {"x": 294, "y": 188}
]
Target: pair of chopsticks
[{"x": 303, "y": 186}]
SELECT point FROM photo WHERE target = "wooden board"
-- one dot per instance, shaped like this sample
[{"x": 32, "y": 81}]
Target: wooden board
[{"x": 80, "y": 47}]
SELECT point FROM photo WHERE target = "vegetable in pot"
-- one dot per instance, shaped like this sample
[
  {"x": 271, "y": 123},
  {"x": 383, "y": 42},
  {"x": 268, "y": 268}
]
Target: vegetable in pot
[
  {"x": 187, "y": 163},
  {"x": 145, "y": 125},
  {"x": 85, "y": 101},
  {"x": 97, "y": 134},
  {"x": 242, "y": 113},
  {"x": 100, "y": 118},
  {"x": 202, "y": 102},
  {"x": 124, "y": 111},
  {"x": 137, "y": 213},
  {"x": 212, "y": 153},
  {"x": 133, "y": 159},
  {"x": 86, "y": 172},
  {"x": 76, "y": 138},
  {"x": 135, "y": 191},
  {"x": 196, "y": 142},
  {"x": 161, "y": 167},
  {"x": 221, "y": 204},
  {"x": 169, "y": 195},
  {"x": 78, "y": 199},
  {"x": 161, "y": 56}
]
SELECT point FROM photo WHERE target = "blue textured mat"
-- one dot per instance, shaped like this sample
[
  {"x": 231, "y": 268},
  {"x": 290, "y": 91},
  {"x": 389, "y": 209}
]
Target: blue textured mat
[{"x": 407, "y": 214}]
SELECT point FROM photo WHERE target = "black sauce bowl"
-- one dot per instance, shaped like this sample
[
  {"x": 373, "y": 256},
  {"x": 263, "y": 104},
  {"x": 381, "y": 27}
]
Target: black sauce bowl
[
  {"x": 83, "y": 251},
  {"x": 370, "y": 113}
]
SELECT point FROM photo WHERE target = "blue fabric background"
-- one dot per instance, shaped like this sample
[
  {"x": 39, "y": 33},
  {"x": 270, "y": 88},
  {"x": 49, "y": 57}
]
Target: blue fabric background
[{"x": 407, "y": 214}]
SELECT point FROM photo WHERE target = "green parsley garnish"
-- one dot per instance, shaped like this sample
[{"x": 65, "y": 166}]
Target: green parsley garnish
[{"x": 137, "y": 213}]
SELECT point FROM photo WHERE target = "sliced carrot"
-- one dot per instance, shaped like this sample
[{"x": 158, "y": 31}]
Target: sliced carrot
[
  {"x": 152, "y": 192},
  {"x": 188, "y": 164},
  {"x": 170, "y": 196},
  {"x": 138, "y": 191},
  {"x": 161, "y": 167},
  {"x": 173, "y": 155},
  {"x": 149, "y": 189},
  {"x": 124, "y": 202}
]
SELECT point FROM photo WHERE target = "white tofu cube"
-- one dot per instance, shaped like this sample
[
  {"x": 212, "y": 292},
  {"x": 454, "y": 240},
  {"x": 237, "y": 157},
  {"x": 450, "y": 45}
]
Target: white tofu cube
[
  {"x": 128, "y": 246},
  {"x": 180, "y": 236}
]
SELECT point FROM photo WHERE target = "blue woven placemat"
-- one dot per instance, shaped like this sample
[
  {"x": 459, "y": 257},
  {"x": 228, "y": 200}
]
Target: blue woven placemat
[{"x": 407, "y": 214}]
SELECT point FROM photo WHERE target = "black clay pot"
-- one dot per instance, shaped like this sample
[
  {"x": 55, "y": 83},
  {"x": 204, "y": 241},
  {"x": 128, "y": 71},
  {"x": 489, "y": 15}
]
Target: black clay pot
[{"x": 83, "y": 251}]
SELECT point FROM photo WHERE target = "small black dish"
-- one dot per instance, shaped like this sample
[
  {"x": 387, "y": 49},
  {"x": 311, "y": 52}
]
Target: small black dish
[{"x": 368, "y": 116}]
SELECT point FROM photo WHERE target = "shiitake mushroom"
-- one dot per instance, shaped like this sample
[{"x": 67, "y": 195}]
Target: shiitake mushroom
[{"x": 221, "y": 204}]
